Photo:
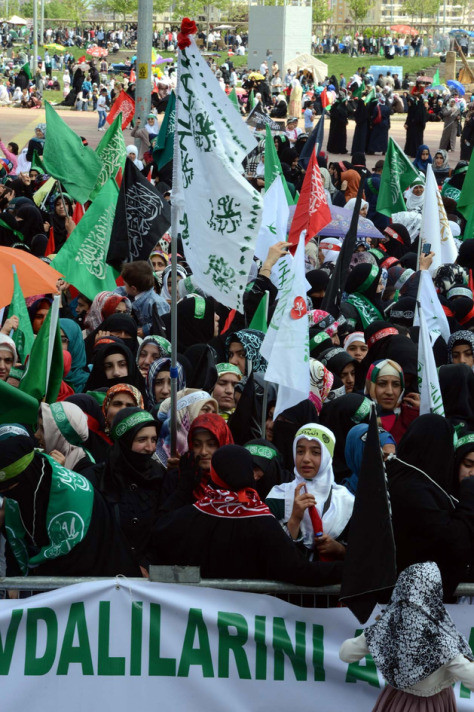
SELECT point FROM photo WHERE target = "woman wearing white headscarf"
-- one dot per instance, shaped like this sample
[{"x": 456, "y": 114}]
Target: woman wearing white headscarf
[
  {"x": 62, "y": 431},
  {"x": 329, "y": 187},
  {"x": 364, "y": 206},
  {"x": 145, "y": 133},
  {"x": 132, "y": 153},
  {"x": 314, "y": 486},
  {"x": 416, "y": 646},
  {"x": 329, "y": 249}
]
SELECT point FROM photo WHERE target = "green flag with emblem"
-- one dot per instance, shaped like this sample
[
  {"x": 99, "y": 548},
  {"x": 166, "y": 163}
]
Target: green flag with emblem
[
  {"x": 112, "y": 152},
  {"x": 273, "y": 166}
]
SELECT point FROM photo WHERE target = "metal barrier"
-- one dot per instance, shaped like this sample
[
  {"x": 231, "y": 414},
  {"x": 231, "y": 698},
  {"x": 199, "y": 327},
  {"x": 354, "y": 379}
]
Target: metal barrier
[{"x": 190, "y": 576}]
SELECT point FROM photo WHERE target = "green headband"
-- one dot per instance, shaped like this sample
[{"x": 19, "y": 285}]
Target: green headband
[
  {"x": 369, "y": 279},
  {"x": 17, "y": 467},
  {"x": 228, "y": 368},
  {"x": 318, "y": 339},
  {"x": 63, "y": 424},
  {"x": 262, "y": 451},
  {"x": 130, "y": 422},
  {"x": 377, "y": 253},
  {"x": 362, "y": 411},
  {"x": 199, "y": 307},
  {"x": 320, "y": 433},
  {"x": 465, "y": 440}
]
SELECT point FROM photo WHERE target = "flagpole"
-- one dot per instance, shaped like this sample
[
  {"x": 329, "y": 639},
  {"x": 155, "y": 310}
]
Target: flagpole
[
  {"x": 62, "y": 198},
  {"x": 52, "y": 330},
  {"x": 174, "y": 286},
  {"x": 265, "y": 385}
]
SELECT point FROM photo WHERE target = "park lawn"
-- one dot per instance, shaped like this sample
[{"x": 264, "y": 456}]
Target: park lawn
[{"x": 338, "y": 63}]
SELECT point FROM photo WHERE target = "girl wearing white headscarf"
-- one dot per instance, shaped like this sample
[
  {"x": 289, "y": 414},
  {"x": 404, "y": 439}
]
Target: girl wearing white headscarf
[
  {"x": 132, "y": 153},
  {"x": 415, "y": 196},
  {"x": 314, "y": 484},
  {"x": 364, "y": 206},
  {"x": 329, "y": 248}
]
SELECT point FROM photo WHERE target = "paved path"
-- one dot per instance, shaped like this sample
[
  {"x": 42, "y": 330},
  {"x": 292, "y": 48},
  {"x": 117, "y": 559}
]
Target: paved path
[{"x": 18, "y": 125}]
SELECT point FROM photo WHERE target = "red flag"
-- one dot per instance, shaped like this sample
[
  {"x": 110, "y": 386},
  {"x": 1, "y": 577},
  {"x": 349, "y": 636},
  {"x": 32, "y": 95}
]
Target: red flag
[
  {"x": 81, "y": 59},
  {"x": 324, "y": 98},
  {"x": 51, "y": 246},
  {"x": 133, "y": 77},
  {"x": 312, "y": 210},
  {"x": 126, "y": 105},
  {"x": 78, "y": 212}
]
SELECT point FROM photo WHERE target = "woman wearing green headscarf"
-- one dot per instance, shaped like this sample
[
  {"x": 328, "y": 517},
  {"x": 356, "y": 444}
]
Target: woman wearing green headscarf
[{"x": 363, "y": 305}]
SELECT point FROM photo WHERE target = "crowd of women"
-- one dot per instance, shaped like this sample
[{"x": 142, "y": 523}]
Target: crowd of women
[{"x": 237, "y": 475}]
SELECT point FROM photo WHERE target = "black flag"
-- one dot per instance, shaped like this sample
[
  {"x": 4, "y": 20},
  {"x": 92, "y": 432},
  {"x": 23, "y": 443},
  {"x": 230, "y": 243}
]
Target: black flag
[
  {"x": 370, "y": 570},
  {"x": 141, "y": 218},
  {"x": 316, "y": 138},
  {"x": 335, "y": 288}
]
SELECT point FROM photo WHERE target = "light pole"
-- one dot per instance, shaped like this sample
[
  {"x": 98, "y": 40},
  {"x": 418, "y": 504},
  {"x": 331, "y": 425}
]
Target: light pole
[
  {"x": 143, "y": 72},
  {"x": 35, "y": 37}
]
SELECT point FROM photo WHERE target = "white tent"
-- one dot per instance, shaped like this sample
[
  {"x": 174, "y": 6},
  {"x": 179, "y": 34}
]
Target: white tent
[
  {"x": 318, "y": 69},
  {"x": 15, "y": 20}
]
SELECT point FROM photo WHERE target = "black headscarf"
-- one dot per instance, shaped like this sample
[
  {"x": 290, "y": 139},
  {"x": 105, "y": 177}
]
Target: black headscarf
[
  {"x": 233, "y": 465},
  {"x": 409, "y": 260},
  {"x": 98, "y": 442},
  {"x": 123, "y": 466},
  {"x": 340, "y": 415},
  {"x": 195, "y": 319},
  {"x": 457, "y": 389},
  {"x": 265, "y": 455},
  {"x": 286, "y": 426},
  {"x": 31, "y": 223},
  {"x": 402, "y": 350},
  {"x": 319, "y": 280},
  {"x": 122, "y": 322},
  {"x": 399, "y": 242},
  {"x": 428, "y": 444},
  {"x": 336, "y": 359},
  {"x": 465, "y": 256},
  {"x": 204, "y": 373},
  {"x": 58, "y": 222},
  {"x": 463, "y": 308},
  {"x": 356, "y": 279},
  {"x": 98, "y": 379}
]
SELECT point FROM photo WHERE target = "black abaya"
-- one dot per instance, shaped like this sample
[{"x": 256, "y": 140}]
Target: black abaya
[
  {"x": 415, "y": 125},
  {"x": 337, "y": 141},
  {"x": 361, "y": 117}
]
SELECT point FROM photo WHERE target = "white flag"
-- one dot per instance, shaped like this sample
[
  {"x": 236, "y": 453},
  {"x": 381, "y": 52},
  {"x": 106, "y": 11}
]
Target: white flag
[
  {"x": 215, "y": 209},
  {"x": 286, "y": 344},
  {"x": 431, "y": 400},
  {"x": 273, "y": 227},
  {"x": 435, "y": 227},
  {"x": 427, "y": 298}
]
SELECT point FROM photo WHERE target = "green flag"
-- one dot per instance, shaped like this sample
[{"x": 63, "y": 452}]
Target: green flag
[
  {"x": 163, "y": 149},
  {"x": 37, "y": 163},
  {"x": 371, "y": 96},
  {"x": 260, "y": 318},
  {"x": 23, "y": 336},
  {"x": 82, "y": 257},
  {"x": 273, "y": 165},
  {"x": 436, "y": 79},
  {"x": 27, "y": 69},
  {"x": 252, "y": 100},
  {"x": 45, "y": 367},
  {"x": 233, "y": 97},
  {"x": 18, "y": 235},
  {"x": 112, "y": 152},
  {"x": 466, "y": 200},
  {"x": 397, "y": 175},
  {"x": 67, "y": 159},
  {"x": 359, "y": 91},
  {"x": 18, "y": 407}
]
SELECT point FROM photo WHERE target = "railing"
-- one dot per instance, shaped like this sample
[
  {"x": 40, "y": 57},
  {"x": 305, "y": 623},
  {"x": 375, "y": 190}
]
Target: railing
[{"x": 190, "y": 576}]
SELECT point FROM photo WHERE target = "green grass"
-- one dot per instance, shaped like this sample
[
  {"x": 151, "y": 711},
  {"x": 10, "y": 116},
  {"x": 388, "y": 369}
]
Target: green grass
[{"x": 348, "y": 65}]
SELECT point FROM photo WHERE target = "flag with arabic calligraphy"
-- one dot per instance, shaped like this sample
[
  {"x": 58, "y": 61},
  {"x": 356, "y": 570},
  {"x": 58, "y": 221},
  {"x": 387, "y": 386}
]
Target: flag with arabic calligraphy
[
  {"x": 112, "y": 153},
  {"x": 142, "y": 217},
  {"x": 125, "y": 104},
  {"x": 218, "y": 211},
  {"x": 163, "y": 148},
  {"x": 312, "y": 210},
  {"x": 81, "y": 260},
  {"x": 397, "y": 175}
]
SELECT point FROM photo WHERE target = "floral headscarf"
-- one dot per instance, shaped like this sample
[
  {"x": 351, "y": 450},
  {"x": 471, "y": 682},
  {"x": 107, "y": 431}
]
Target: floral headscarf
[
  {"x": 161, "y": 364},
  {"x": 251, "y": 340},
  {"x": 122, "y": 388},
  {"x": 321, "y": 380},
  {"x": 384, "y": 367}
]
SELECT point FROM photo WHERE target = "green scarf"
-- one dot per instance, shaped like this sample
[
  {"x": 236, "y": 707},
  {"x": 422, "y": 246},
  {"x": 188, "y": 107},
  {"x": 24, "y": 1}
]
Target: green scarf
[
  {"x": 366, "y": 310},
  {"x": 68, "y": 518}
]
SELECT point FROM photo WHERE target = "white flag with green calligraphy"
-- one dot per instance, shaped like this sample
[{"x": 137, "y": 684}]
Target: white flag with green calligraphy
[
  {"x": 274, "y": 226},
  {"x": 431, "y": 400},
  {"x": 435, "y": 227},
  {"x": 286, "y": 343},
  {"x": 216, "y": 210}
]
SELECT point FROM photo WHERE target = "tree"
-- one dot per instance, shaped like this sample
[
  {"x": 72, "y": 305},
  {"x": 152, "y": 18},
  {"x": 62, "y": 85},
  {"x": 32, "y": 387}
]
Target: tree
[
  {"x": 358, "y": 9},
  {"x": 321, "y": 11},
  {"x": 122, "y": 7},
  {"x": 421, "y": 8}
]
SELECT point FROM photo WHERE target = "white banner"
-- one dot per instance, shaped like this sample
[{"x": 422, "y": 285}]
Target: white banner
[{"x": 123, "y": 646}]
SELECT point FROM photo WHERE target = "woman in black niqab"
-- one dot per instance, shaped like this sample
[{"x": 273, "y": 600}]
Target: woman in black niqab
[
  {"x": 340, "y": 415},
  {"x": 457, "y": 389}
]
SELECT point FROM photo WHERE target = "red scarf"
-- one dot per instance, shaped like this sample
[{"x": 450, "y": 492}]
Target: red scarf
[{"x": 232, "y": 505}]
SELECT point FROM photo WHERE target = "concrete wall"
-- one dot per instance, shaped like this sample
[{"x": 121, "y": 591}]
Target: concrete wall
[{"x": 282, "y": 31}]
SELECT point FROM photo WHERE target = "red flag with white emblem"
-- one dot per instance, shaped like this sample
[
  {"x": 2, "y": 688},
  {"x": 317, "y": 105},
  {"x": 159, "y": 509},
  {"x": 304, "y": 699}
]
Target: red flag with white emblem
[{"x": 312, "y": 210}]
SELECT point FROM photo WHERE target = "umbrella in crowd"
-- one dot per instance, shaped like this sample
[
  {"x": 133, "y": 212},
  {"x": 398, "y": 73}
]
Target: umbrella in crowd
[
  {"x": 453, "y": 84},
  {"x": 55, "y": 47},
  {"x": 404, "y": 30},
  {"x": 96, "y": 51},
  {"x": 340, "y": 222},
  {"x": 34, "y": 275}
]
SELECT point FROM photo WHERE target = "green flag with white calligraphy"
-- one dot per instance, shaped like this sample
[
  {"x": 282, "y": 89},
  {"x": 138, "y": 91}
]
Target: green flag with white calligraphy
[
  {"x": 112, "y": 153},
  {"x": 218, "y": 211},
  {"x": 81, "y": 260},
  {"x": 397, "y": 175},
  {"x": 163, "y": 148}
]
